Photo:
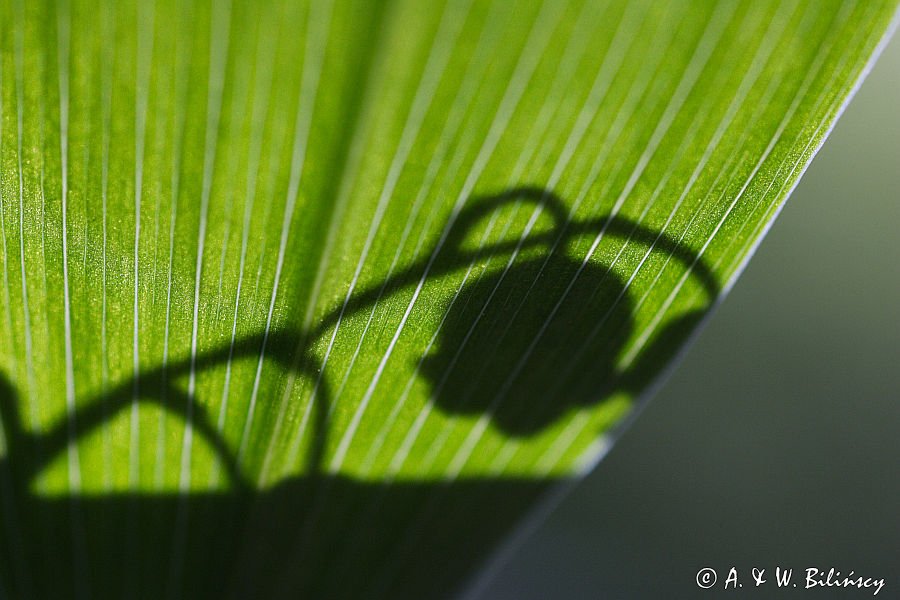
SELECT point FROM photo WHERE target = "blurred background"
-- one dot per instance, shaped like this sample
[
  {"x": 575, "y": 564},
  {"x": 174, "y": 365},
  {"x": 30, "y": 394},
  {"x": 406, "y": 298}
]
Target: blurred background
[{"x": 776, "y": 441}]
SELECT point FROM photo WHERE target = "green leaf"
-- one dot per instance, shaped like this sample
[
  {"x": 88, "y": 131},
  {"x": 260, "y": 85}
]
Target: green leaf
[{"x": 320, "y": 298}]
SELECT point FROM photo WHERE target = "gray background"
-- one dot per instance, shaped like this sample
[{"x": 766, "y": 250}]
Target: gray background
[{"x": 776, "y": 441}]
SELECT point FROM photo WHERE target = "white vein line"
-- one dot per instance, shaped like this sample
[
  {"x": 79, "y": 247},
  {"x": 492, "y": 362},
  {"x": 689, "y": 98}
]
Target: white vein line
[
  {"x": 431, "y": 173},
  {"x": 412, "y": 434},
  {"x": 259, "y": 111},
  {"x": 355, "y": 155},
  {"x": 42, "y": 165},
  {"x": 86, "y": 165},
  {"x": 218, "y": 54},
  {"x": 597, "y": 93},
  {"x": 811, "y": 74},
  {"x": 20, "y": 117},
  {"x": 181, "y": 84},
  {"x": 712, "y": 33},
  {"x": 763, "y": 103},
  {"x": 388, "y": 481},
  {"x": 9, "y": 507},
  {"x": 439, "y": 55},
  {"x": 692, "y": 70},
  {"x": 273, "y": 148},
  {"x": 732, "y": 160},
  {"x": 749, "y": 218},
  {"x": 346, "y": 185},
  {"x": 143, "y": 60},
  {"x": 559, "y": 447},
  {"x": 605, "y": 75},
  {"x": 764, "y": 52},
  {"x": 635, "y": 91},
  {"x": 238, "y": 108},
  {"x": 538, "y": 130},
  {"x": 64, "y": 28},
  {"x": 571, "y": 56},
  {"x": 7, "y": 296},
  {"x": 817, "y": 64},
  {"x": 106, "y": 116},
  {"x": 508, "y": 449},
  {"x": 41, "y": 162},
  {"x": 348, "y": 177},
  {"x": 372, "y": 506},
  {"x": 575, "y": 134},
  {"x": 816, "y": 140},
  {"x": 309, "y": 84},
  {"x": 467, "y": 141},
  {"x": 350, "y": 172},
  {"x": 525, "y": 67},
  {"x": 471, "y": 80},
  {"x": 812, "y": 147},
  {"x": 570, "y": 433}
]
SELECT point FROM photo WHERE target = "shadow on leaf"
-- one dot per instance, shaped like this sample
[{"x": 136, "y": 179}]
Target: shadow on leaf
[{"x": 522, "y": 346}]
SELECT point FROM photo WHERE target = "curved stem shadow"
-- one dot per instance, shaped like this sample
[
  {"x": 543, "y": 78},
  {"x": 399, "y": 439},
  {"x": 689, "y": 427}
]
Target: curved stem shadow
[{"x": 264, "y": 523}]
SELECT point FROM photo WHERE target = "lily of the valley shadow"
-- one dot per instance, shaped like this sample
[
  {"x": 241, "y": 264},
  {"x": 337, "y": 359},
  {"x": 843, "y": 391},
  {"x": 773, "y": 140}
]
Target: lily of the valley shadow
[{"x": 523, "y": 344}]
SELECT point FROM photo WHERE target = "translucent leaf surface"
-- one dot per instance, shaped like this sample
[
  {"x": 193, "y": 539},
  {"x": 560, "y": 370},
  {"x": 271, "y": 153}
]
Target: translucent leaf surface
[{"x": 320, "y": 297}]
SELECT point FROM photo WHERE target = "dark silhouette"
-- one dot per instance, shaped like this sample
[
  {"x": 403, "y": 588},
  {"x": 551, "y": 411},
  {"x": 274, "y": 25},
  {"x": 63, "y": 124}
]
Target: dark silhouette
[
  {"x": 537, "y": 345},
  {"x": 532, "y": 342}
]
